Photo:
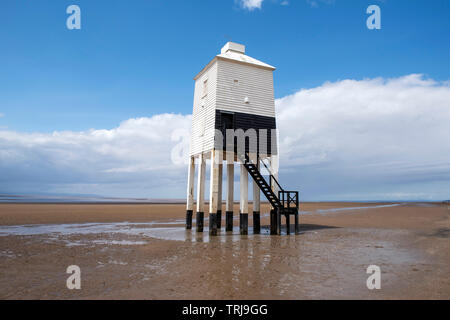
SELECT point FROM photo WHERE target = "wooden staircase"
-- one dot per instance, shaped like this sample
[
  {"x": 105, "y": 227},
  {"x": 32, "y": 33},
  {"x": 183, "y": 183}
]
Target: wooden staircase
[{"x": 286, "y": 203}]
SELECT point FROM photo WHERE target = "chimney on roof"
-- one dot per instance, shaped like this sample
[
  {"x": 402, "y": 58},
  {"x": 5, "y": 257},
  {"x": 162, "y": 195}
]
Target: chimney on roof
[{"x": 233, "y": 46}]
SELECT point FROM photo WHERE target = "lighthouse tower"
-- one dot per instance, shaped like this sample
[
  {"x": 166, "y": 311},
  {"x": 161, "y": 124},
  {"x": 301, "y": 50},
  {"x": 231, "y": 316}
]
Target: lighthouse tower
[{"x": 234, "y": 122}]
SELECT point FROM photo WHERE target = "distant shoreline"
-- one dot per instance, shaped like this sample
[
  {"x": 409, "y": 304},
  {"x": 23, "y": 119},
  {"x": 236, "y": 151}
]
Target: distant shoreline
[
  {"x": 206, "y": 203},
  {"x": 54, "y": 199}
]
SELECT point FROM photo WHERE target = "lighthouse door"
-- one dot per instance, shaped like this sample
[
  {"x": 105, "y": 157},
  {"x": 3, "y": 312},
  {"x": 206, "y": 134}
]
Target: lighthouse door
[{"x": 227, "y": 122}]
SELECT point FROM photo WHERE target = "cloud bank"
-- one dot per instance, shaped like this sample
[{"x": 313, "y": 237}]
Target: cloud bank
[
  {"x": 374, "y": 138},
  {"x": 133, "y": 159},
  {"x": 368, "y": 139}
]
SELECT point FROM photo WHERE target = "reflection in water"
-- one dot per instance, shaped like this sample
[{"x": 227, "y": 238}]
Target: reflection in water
[
  {"x": 158, "y": 229},
  {"x": 166, "y": 230},
  {"x": 246, "y": 264}
]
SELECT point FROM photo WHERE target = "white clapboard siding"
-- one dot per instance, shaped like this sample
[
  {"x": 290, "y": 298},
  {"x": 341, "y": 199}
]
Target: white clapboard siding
[
  {"x": 203, "y": 117},
  {"x": 253, "y": 82}
]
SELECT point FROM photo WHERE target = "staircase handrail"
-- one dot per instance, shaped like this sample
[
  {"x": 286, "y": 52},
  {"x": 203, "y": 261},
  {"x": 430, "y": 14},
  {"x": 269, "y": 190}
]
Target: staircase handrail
[{"x": 272, "y": 176}]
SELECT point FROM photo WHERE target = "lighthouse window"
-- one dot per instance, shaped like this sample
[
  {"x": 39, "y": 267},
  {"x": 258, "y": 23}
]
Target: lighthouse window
[{"x": 205, "y": 88}]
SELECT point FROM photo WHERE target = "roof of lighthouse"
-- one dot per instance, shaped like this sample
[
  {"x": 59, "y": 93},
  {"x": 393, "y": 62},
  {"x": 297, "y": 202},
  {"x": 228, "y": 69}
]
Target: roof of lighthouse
[{"x": 236, "y": 52}]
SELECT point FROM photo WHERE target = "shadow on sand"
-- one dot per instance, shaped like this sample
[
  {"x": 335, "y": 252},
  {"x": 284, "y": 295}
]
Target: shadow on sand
[{"x": 303, "y": 227}]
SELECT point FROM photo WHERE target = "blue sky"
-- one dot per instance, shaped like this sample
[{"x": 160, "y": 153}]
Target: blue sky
[{"x": 136, "y": 59}]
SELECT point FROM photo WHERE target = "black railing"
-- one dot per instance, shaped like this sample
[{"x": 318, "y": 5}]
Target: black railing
[{"x": 289, "y": 199}]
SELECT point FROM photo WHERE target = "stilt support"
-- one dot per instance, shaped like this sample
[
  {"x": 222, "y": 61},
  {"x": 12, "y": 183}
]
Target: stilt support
[
  {"x": 229, "y": 221},
  {"x": 256, "y": 222},
  {"x": 256, "y": 204},
  {"x": 273, "y": 222},
  {"x": 288, "y": 224},
  {"x": 219, "y": 197},
  {"x": 243, "y": 217},
  {"x": 189, "y": 219},
  {"x": 201, "y": 193},
  {"x": 199, "y": 220},
  {"x": 219, "y": 219},
  {"x": 213, "y": 224},
  {"x": 190, "y": 194},
  {"x": 230, "y": 194},
  {"x": 278, "y": 222},
  {"x": 216, "y": 161},
  {"x": 243, "y": 223}
]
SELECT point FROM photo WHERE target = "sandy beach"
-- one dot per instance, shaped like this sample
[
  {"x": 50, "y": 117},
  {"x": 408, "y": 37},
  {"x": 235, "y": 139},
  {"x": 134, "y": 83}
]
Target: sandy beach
[{"x": 142, "y": 251}]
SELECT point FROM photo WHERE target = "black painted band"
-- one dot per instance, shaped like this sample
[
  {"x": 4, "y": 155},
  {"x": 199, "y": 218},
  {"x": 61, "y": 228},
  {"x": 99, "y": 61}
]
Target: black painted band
[
  {"x": 199, "y": 221},
  {"x": 229, "y": 221},
  {"x": 243, "y": 223},
  {"x": 213, "y": 224},
  {"x": 189, "y": 219}
]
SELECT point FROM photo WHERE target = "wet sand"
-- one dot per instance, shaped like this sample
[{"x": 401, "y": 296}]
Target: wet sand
[{"x": 142, "y": 251}]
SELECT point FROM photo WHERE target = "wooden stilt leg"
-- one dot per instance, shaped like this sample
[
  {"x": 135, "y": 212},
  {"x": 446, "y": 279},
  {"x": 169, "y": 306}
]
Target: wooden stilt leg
[
  {"x": 243, "y": 216},
  {"x": 230, "y": 201},
  {"x": 219, "y": 197},
  {"x": 190, "y": 194},
  {"x": 273, "y": 222},
  {"x": 201, "y": 193},
  {"x": 189, "y": 214},
  {"x": 288, "y": 224},
  {"x": 200, "y": 218},
  {"x": 214, "y": 192},
  {"x": 256, "y": 222},
  {"x": 213, "y": 224},
  {"x": 256, "y": 205},
  {"x": 275, "y": 227},
  {"x": 279, "y": 222}
]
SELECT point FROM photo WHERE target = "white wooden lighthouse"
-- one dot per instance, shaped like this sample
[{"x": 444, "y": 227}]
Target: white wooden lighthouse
[{"x": 234, "y": 121}]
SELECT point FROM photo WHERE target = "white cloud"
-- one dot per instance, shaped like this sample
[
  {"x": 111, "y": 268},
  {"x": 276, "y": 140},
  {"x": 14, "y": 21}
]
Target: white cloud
[
  {"x": 257, "y": 4},
  {"x": 251, "y": 4},
  {"x": 315, "y": 3},
  {"x": 350, "y": 139},
  {"x": 312, "y": 3},
  {"x": 369, "y": 133},
  {"x": 1, "y": 115}
]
